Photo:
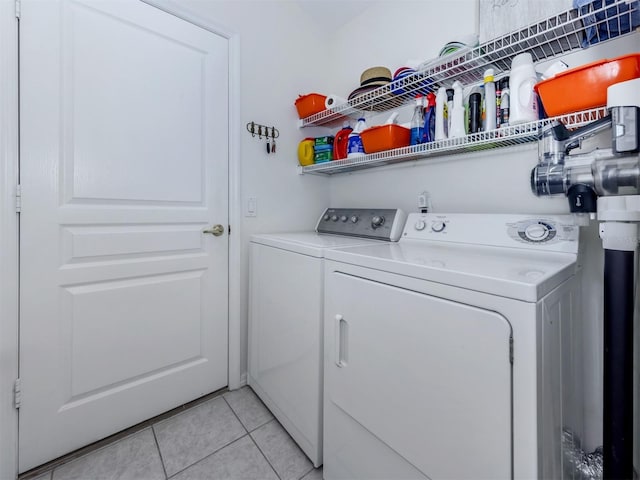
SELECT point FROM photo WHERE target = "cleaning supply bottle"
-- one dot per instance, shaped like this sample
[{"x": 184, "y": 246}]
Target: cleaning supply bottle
[
  {"x": 475, "y": 112},
  {"x": 417, "y": 122},
  {"x": 457, "y": 112},
  {"x": 498, "y": 100},
  {"x": 447, "y": 111},
  {"x": 341, "y": 142},
  {"x": 441, "y": 101},
  {"x": 429, "y": 131},
  {"x": 504, "y": 102},
  {"x": 523, "y": 101},
  {"x": 489, "y": 101},
  {"x": 354, "y": 145}
]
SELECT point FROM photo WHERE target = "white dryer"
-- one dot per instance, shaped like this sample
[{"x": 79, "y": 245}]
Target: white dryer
[
  {"x": 286, "y": 283},
  {"x": 454, "y": 353}
]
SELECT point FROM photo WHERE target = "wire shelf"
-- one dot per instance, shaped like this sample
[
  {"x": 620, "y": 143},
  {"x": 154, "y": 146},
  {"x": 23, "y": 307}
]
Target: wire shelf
[
  {"x": 545, "y": 39},
  {"x": 502, "y": 137}
]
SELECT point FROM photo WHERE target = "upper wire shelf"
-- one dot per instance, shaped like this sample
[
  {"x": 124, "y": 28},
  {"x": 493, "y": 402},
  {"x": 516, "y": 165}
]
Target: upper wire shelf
[
  {"x": 502, "y": 137},
  {"x": 545, "y": 39}
]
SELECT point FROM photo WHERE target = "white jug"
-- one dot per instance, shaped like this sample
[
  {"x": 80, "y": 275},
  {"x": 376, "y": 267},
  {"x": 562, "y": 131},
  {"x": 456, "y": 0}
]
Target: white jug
[{"x": 524, "y": 100}]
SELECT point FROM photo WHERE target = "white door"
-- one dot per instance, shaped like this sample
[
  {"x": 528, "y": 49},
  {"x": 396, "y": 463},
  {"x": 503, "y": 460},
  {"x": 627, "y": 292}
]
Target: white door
[{"x": 124, "y": 146}]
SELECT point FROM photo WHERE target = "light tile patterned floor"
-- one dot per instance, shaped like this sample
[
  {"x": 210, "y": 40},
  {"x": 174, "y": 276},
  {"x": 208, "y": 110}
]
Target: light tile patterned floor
[{"x": 231, "y": 437}]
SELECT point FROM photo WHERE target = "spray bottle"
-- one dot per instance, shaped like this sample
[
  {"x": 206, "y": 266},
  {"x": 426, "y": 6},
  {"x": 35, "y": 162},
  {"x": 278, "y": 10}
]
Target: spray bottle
[
  {"x": 417, "y": 121},
  {"x": 354, "y": 146},
  {"x": 457, "y": 113},
  {"x": 429, "y": 132}
]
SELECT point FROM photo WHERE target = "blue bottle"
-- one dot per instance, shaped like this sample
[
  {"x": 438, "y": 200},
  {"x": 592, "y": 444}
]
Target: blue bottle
[
  {"x": 417, "y": 122},
  {"x": 354, "y": 144}
]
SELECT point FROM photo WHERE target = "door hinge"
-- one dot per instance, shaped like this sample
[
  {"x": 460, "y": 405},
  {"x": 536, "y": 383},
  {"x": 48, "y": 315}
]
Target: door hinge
[
  {"x": 229, "y": 229},
  {"x": 511, "y": 350},
  {"x": 18, "y": 8},
  {"x": 18, "y": 198},
  {"x": 17, "y": 393}
]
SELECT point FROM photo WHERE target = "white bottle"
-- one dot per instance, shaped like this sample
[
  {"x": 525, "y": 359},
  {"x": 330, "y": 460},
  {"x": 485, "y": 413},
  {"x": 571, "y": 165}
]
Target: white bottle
[
  {"x": 523, "y": 105},
  {"x": 489, "y": 101},
  {"x": 457, "y": 112},
  {"x": 441, "y": 100}
]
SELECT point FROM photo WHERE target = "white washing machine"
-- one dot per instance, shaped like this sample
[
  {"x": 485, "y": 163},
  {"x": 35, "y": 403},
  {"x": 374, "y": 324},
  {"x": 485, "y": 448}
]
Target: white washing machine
[
  {"x": 286, "y": 311},
  {"x": 454, "y": 353}
]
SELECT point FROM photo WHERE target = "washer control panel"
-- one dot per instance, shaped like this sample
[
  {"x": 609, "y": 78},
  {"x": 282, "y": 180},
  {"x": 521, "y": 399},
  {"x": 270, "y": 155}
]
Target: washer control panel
[
  {"x": 382, "y": 224},
  {"x": 553, "y": 232}
]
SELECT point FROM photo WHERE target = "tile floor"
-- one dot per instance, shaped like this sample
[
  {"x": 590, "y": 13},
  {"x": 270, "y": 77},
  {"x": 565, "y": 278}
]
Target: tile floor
[{"x": 232, "y": 436}]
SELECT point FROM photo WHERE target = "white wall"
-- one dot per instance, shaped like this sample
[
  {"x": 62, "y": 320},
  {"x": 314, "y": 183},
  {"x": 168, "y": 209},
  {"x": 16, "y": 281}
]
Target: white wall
[
  {"x": 486, "y": 182},
  {"x": 390, "y": 32},
  {"x": 282, "y": 54}
]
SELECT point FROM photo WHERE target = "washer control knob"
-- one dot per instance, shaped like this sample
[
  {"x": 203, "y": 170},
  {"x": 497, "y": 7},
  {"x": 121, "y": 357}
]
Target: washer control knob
[
  {"x": 354, "y": 219},
  {"x": 334, "y": 218},
  {"x": 344, "y": 218},
  {"x": 536, "y": 232},
  {"x": 377, "y": 221},
  {"x": 438, "y": 226},
  {"x": 420, "y": 225},
  {"x": 326, "y": 218}
]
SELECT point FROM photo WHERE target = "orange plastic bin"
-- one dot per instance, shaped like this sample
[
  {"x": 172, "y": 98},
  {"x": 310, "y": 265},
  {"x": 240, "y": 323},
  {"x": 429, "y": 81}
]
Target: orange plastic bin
[
  {"x": 585, "y": 87},
  {"x": 385, "y": 137},
  {"x": 310, "y": 104}
]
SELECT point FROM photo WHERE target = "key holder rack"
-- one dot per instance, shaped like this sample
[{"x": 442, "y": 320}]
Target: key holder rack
[{"x": 269, "y": 133}]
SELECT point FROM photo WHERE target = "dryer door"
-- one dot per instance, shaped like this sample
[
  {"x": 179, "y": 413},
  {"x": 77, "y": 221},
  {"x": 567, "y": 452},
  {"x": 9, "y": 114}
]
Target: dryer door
[{"x": 429, "y": 378}]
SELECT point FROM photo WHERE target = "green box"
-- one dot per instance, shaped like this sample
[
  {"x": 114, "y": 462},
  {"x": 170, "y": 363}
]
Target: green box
[
  {"x": 324, "y": 156},
  {"x": 328, "y": 140}
]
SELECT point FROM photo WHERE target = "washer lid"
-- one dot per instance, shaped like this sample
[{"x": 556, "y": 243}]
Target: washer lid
[
  {"x": 508, "y": 272},
  {"x": 309, "y": 243}
]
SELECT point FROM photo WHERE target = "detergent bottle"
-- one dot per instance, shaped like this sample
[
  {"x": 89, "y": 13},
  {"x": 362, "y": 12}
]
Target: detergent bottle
[
  {"x": 524, "y": 101},
  {"x": 341, "y": 142}
]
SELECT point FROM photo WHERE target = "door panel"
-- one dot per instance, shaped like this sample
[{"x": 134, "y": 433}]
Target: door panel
[
  {"x": 113, "y": 160},
  {"x": 429, "y": 377},
  {"x": 124, "y": 161}
]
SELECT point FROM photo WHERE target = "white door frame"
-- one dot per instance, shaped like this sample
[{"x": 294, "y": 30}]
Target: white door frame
[{"x": 9, "y": 242}]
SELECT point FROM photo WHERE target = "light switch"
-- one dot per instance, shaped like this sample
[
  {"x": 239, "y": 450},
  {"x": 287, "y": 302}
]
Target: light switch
[{"x": 252, "y": 207}]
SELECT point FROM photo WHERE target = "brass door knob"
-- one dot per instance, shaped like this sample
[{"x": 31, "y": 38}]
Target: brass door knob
[{"x": 216, "y": 230}]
